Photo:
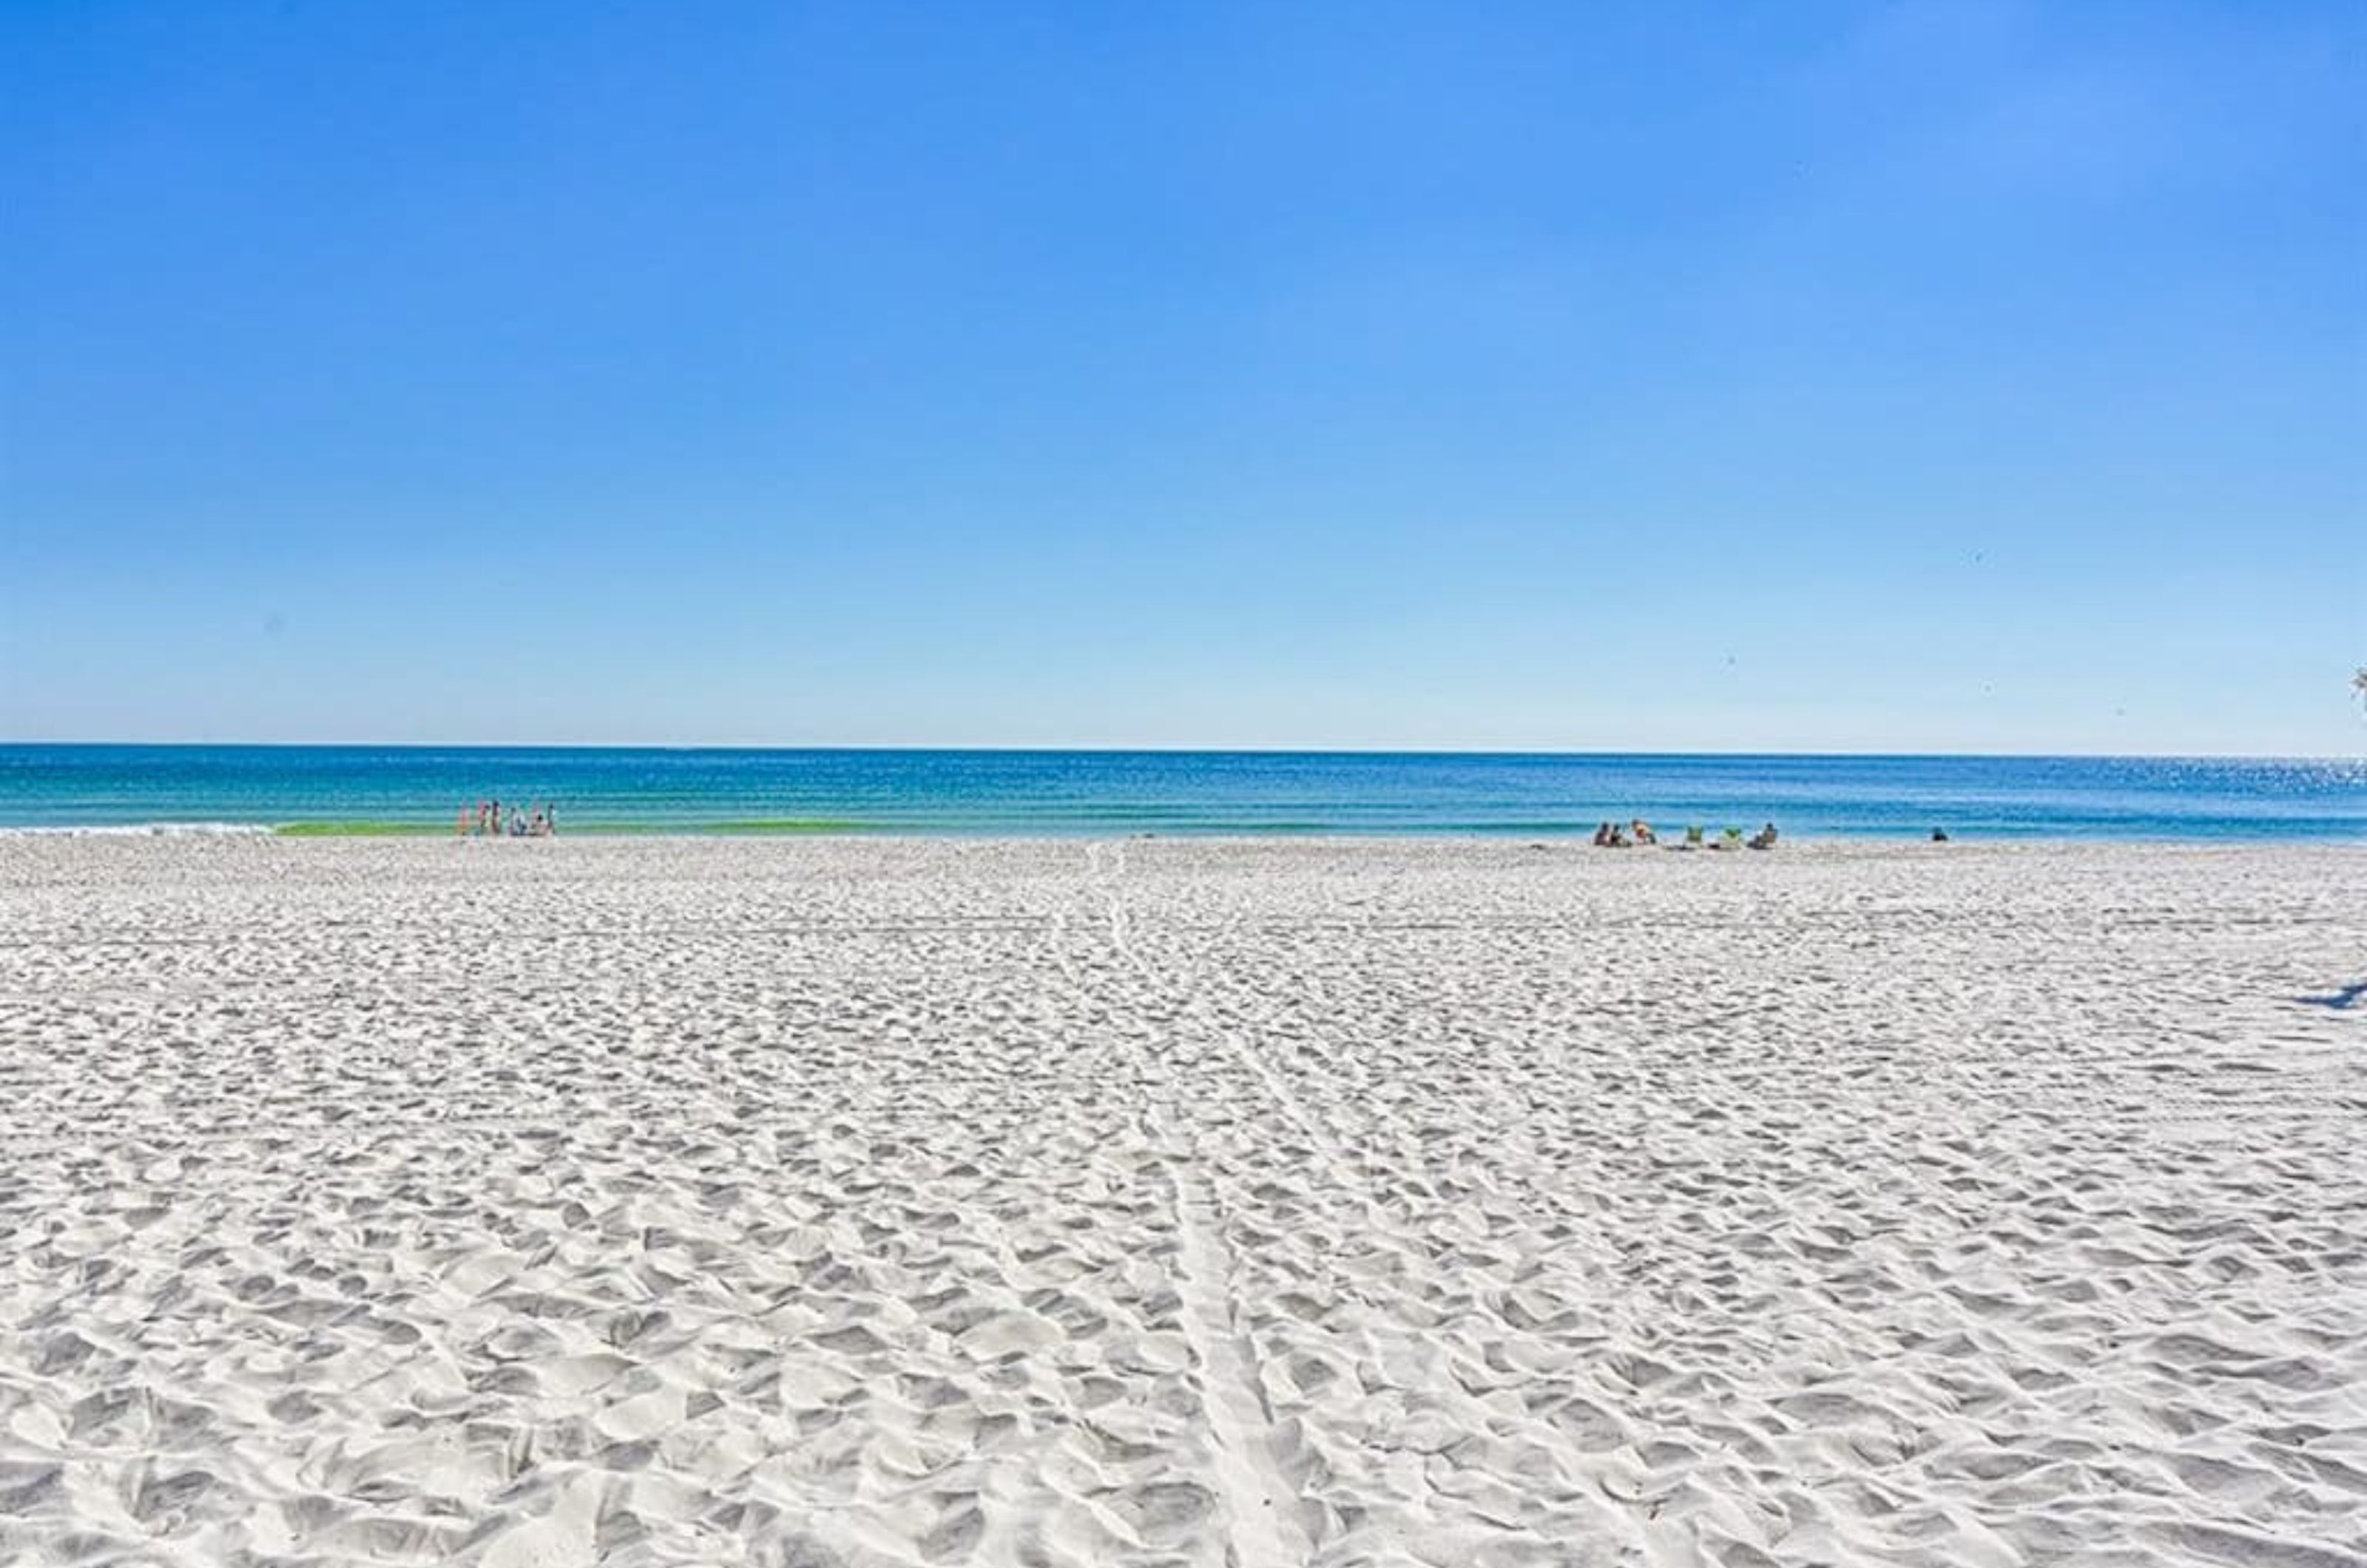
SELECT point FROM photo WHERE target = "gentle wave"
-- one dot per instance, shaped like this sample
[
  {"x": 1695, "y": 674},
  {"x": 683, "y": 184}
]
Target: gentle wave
[{"x": 145, "y": 830}]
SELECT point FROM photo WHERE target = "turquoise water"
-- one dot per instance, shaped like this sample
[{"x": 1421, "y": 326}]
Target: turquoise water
[{"x": 1179, "y": 792}]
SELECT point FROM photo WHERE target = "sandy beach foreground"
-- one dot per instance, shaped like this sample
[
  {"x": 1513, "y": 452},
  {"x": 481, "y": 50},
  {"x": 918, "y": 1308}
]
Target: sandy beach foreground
[{"x": 1463, "y": 1204}]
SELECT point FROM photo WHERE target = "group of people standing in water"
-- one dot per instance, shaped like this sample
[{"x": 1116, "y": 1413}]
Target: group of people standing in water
[{"x": 484, "y": 821}]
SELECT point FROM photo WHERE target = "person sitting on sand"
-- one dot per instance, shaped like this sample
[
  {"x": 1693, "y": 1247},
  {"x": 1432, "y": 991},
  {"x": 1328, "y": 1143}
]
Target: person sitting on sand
[
  {"x": 1765, "y": 839},
  {"x": 1643, "y": 832},
  {"x": 1602, "y": 837}
]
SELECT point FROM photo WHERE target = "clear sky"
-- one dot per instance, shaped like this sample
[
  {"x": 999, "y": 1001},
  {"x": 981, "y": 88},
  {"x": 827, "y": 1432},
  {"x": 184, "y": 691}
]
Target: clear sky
[{"x": 1801, "y": 376}]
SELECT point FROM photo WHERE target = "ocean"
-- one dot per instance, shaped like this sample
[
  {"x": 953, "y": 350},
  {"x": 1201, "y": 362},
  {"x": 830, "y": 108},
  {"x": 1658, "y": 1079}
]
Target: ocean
[{"x": 373, "y": 789}]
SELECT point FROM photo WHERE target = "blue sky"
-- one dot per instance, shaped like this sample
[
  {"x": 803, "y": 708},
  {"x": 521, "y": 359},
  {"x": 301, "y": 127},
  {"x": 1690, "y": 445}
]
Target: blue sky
[{"x": 1915, "y": 376}]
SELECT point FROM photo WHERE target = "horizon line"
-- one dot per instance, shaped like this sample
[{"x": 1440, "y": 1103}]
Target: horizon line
[{"x": 1113, "y": 750}]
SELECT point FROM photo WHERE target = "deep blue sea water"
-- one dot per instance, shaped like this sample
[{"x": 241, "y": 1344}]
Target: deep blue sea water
[{"x": 1186, "y": 792}]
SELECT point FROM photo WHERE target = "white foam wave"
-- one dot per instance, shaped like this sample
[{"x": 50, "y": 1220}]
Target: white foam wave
[{"x": 142, "y": 831}]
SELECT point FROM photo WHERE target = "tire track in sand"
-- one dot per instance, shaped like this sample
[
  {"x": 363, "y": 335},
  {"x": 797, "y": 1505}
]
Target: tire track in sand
[
  {"x": 1262, "y": 1507},
  {"x": 1263, "y": 1510}
]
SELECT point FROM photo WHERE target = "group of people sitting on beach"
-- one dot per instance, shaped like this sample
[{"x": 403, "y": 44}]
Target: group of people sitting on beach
[
  {"x": 1611, "y": 836},
  {"x": 484, "y": 821}
]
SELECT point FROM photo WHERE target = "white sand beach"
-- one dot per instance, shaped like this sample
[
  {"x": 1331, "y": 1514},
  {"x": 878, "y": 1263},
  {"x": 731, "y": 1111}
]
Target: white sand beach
[{"x": 848, "y": 1203}]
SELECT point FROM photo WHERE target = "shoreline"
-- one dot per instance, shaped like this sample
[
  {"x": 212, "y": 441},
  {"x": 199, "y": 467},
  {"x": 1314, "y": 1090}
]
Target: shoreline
[{"x": 1556, "y": 836}]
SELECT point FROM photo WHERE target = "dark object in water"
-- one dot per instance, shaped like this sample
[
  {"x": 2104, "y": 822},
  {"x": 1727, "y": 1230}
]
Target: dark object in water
[{"x": 1939, "y": 835}]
